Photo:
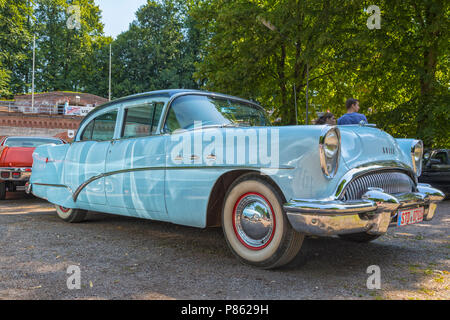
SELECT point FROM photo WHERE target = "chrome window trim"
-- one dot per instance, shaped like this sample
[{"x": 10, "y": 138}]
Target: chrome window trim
[{"x": 93, "y": 116}]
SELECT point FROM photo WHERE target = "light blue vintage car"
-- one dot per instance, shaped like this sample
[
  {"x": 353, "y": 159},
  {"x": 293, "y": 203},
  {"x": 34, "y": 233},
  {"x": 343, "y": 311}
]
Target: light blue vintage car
[{"x": 205, "y": 159}]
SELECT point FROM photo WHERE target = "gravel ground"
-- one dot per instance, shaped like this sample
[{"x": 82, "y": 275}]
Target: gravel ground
[{"x": 127, "y": 258}]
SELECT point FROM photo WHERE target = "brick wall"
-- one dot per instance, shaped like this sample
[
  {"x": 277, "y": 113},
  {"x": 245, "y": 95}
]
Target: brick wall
[{"x": 36, "y": 125}]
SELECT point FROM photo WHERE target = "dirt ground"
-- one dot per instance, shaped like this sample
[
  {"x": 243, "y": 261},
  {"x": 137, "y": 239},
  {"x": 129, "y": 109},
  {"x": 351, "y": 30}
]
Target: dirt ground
[{"x": 128, "y": 258}]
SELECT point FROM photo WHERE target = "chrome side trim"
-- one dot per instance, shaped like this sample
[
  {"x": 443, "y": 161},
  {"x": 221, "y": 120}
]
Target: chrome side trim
[{"x": 103, "y": 175}]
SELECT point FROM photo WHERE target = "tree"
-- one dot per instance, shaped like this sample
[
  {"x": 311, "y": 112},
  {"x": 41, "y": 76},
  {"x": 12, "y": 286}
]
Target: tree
[
  {"x": 14, "y": 38},
  {"x": 157, "y": 52},
  {"x": 67, "y": 54},
  {"x": 259, "y": 49}
]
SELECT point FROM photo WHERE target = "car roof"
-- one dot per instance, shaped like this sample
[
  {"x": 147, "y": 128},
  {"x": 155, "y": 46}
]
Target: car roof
[{"x": 168, "y": 93}]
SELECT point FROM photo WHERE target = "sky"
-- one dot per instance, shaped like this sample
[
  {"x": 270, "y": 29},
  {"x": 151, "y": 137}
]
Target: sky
[{"x": 118, "y": 14}]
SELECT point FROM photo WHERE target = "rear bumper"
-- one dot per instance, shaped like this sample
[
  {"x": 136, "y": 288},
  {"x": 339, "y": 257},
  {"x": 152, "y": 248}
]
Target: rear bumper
[
  {"x": 372, "y": 214},
  {"x": 15, "y": 174}
]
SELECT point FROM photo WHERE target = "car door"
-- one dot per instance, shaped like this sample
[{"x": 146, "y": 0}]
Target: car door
[
  {"x": 135, "y": 162},
  {"x": 85, "y": 160}
]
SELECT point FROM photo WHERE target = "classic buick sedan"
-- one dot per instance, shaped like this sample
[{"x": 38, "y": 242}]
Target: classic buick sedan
[{"x": 205, "y": 159}]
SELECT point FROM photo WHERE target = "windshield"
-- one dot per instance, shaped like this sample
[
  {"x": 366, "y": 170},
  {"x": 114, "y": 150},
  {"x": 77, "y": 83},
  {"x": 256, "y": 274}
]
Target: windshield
[
  {"x": 187, "y": 111},
  {"x": 29, "y": 142}
]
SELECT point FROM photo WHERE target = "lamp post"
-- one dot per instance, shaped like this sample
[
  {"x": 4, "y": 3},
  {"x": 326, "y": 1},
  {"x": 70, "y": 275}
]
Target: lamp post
[
  {"x": 110, "y": 55},
  {"x": 32, "y": 74}
]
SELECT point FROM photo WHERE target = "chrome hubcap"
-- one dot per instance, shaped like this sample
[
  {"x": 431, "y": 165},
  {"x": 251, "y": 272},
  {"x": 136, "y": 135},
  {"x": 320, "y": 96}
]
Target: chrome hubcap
[{"x": 254, "y": 221}]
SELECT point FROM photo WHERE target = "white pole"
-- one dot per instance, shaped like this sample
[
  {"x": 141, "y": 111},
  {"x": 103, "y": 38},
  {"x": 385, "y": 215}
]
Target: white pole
[
  {"x": 32, "y": 77},
  {"x": 307, "y": 90},
  {"x": 110, "y": 72}
]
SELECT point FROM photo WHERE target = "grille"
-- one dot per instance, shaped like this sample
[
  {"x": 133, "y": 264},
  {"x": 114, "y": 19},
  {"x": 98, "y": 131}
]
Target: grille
[{"x": 391, "y": 182}]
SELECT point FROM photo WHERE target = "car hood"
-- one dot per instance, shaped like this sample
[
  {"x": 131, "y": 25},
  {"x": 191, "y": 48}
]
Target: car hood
[
  {"x": 16, "y": 157},
  {"x": 361, "y": 144}
]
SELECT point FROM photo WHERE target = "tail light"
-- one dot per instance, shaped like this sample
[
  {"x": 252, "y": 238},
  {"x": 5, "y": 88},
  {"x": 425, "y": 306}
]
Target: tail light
[
  {"x": 16, "y": 174},
  {"x": 5, "y": 174}
]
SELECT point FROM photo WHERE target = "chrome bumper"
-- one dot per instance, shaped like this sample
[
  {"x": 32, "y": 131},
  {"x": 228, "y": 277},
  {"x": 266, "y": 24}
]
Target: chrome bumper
[
  {"x": 15, "y": 174},
  {"x": 372, "y": 214}
]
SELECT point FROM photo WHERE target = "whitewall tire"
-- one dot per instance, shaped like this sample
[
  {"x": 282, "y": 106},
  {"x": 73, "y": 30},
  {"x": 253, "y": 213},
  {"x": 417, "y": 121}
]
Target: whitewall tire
[
  {"x": 70, "y": 215},
  {"x": 255, "y": 226}
]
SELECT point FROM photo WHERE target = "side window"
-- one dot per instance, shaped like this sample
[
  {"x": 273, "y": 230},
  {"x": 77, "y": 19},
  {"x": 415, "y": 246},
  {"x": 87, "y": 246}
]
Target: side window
[
  {"x": 101, "y": 128},
  {"x": 104, "y": 126},
  {"x": 142, "y": 120},
  {"x": 87, "y": 133}
]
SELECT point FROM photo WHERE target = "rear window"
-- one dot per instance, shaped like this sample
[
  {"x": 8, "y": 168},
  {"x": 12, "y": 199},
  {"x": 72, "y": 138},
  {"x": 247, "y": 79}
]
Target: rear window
[{"x": 29, "y": 142}]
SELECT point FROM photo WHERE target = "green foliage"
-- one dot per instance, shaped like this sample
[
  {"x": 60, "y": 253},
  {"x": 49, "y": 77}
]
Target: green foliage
[
  {"x": 399, "y": 72},
  {"x": 157, "y": 52},
  {"x": 14, "y": 36},
  {"x": 257, "y": 49},
  {"x": 68, "y": 59}
]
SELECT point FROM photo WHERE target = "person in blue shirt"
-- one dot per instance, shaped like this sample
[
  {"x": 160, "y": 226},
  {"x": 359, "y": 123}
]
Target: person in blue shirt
[{"x": 352, "y": 116}]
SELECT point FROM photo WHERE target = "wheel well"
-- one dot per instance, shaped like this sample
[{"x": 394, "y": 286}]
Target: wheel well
[{"x": 217, "y": 195}]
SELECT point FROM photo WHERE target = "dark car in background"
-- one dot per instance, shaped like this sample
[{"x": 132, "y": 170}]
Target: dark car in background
[
  {"x": 16, "y": 160},
  {"x": 436, "y": 169}
]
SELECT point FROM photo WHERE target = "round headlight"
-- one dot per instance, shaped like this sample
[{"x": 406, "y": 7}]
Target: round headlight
[
  {"x": 329, "y": 149},
  {"x": 416, "y": 155}
]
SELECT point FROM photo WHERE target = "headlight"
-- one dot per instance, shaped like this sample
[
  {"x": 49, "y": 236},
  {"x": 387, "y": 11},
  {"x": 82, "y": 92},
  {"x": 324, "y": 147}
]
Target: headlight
[
  {"x": 416, "y": 156},
  {"x": 329, "y": 151}
]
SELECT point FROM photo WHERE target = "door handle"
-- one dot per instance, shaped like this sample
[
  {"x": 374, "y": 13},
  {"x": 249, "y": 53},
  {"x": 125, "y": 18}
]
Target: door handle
[{"x": 194, "y": 157}]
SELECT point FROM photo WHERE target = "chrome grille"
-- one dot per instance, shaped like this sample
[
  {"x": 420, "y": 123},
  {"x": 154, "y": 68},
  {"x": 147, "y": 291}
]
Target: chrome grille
[{"x": 390, "y": 181}]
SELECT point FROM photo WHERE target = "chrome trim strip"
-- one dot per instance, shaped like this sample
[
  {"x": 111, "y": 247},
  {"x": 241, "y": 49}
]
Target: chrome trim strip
[
  {"x": 103, "y": 175},
  {"x": 52, "y": 185}
]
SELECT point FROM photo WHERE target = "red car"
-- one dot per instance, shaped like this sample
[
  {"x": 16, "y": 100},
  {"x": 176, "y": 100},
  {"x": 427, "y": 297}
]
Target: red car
[{"x": 16, "y": 160}]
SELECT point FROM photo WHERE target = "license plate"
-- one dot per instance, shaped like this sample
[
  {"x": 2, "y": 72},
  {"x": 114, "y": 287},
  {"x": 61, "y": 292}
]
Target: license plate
[{"x": 410, "y": 216}]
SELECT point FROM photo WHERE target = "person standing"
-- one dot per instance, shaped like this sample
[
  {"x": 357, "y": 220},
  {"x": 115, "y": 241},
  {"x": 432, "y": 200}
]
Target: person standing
[
  {"x": 327, "y": 118},
  {"x": 352, "y": 116}
]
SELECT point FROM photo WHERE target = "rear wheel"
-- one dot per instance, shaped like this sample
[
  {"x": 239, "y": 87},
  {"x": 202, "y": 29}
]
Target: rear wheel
[
  {"x": 2, "y": 190},
  {"x": 359, "y": 237},
  {"x": 70, "y": 215},
  {"x": 255, "y": 226}
]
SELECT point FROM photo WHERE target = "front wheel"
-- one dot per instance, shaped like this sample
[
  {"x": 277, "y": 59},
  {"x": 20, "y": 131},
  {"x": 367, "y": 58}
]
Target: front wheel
[
  {"x": 70, "y": 215},
  {"x": 255, "y": 226}
]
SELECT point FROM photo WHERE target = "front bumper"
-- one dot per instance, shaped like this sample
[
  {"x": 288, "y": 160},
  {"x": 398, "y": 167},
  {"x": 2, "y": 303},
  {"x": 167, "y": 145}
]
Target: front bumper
[
  {"x": 372, "y": 214},
  {"x": 15, "y": 174}
]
